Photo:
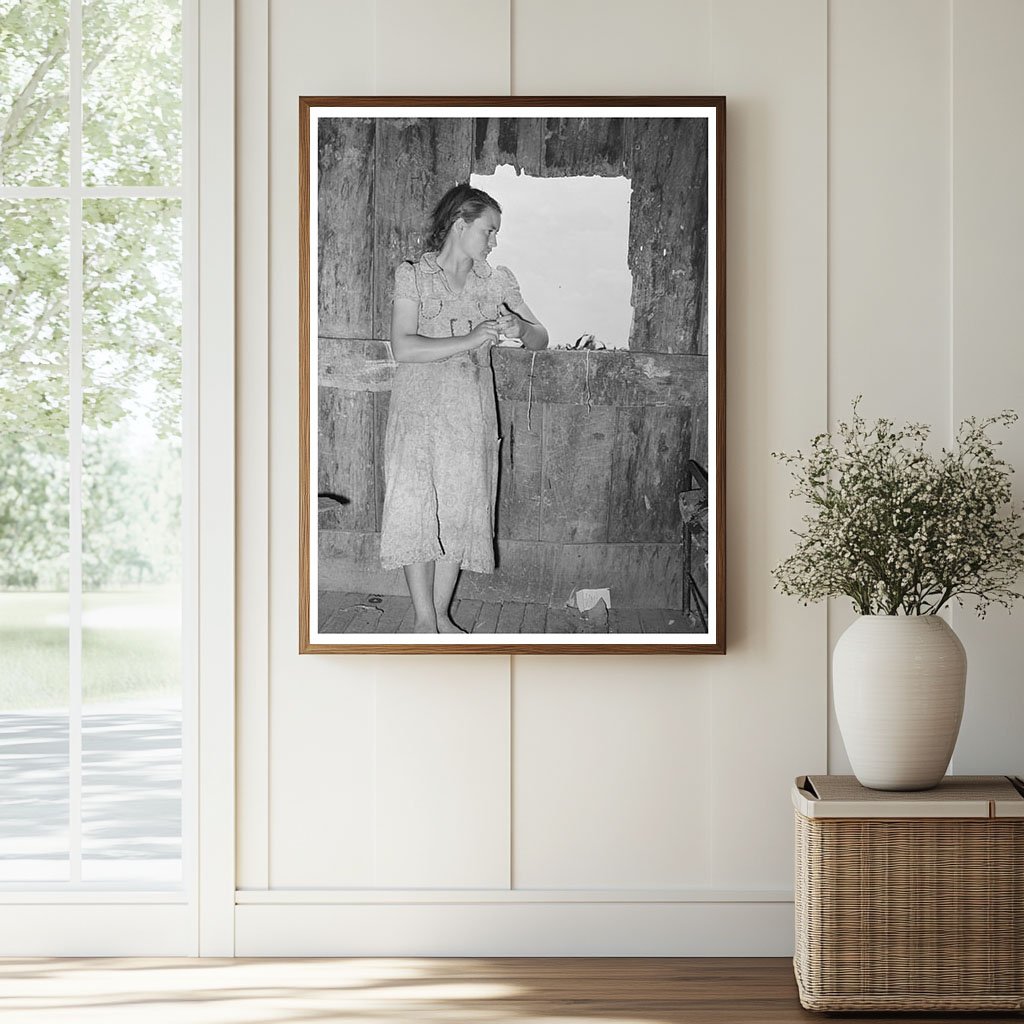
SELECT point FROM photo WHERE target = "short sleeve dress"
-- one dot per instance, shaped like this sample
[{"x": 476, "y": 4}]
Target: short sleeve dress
[{"x": 441, "y": 443}]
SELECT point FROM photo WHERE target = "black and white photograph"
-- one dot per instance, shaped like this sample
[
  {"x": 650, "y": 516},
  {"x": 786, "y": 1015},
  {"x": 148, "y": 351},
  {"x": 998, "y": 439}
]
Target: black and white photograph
[{"x": 512, "y": 375}]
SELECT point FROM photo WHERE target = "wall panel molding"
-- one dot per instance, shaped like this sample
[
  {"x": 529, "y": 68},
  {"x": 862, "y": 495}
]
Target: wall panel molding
[
  {"x": 523, "y": 929},
  {"x": 850, "y": 248}
]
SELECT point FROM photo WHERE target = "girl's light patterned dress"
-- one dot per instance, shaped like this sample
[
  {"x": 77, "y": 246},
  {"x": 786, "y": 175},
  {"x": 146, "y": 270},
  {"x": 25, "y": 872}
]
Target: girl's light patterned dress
[{"x": 441, "y": 444}]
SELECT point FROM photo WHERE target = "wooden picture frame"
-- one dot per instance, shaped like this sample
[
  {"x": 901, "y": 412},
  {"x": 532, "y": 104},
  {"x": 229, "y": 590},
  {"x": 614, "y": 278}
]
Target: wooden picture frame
[{"x": 609, "y": 519}]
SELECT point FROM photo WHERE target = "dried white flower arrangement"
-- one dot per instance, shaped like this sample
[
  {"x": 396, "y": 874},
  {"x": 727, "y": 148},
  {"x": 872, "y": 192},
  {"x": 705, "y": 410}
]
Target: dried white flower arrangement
[{"x": 900, "y": 530}]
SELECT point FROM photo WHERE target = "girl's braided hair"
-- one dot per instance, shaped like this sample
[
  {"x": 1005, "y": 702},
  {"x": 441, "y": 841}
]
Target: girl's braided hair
[{"x": 461, "y": 201}]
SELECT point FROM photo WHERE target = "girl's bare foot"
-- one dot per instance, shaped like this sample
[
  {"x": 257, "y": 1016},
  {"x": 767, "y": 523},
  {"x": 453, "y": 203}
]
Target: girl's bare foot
[
  {"x": 445, "y": 625},
  {"x": 426, "y": 626}
]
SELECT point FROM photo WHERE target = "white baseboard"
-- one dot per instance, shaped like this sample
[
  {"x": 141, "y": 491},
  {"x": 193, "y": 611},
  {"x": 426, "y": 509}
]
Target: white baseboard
[
  {"x": 98, "y": 928},
  {"x": 520, "y": 928}
]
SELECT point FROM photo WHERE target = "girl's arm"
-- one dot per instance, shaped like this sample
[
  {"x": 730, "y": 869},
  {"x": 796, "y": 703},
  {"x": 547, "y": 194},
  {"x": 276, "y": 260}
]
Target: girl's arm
[
  {"x": 409, "y": 347},
  {"x": 535, "y": 335},
  {"x": 524, "y": 325},
  {"x": 518, "y": 320}
]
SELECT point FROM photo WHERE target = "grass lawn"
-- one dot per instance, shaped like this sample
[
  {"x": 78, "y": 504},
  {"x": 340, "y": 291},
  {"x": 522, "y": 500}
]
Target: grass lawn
[{"x": 130, "y": 647}]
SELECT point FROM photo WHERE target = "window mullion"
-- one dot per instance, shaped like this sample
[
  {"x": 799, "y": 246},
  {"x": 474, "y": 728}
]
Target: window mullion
[{"x": 75, "y": 302}]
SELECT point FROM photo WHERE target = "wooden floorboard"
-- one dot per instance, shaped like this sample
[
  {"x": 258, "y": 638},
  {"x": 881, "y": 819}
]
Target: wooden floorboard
[
  {"x": 345, "y": 609},
  {"x": 487, "y": 619},
  {"x": 558, "y": 621},
  {"x": 420, "y": 990},
  {"x": 382, "y": 613},
  {"x": 510, "y": 618},
  {"x": 534, "y": 617},
  {"x": 394, "y": 612},
  {"x": 330, "y": 602}
]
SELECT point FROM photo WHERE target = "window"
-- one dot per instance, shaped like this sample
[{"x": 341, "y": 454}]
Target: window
[
  {"x": 567, "y": 239},
  {"x": 95, "y": 463}
]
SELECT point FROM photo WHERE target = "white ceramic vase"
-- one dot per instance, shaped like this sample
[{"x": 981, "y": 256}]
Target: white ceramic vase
[{"x": 898, "y": 684}]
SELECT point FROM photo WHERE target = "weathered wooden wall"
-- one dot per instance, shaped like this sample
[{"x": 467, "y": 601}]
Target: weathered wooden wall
[
  {"x": 592, "y": 456},
  {"x": 379, "y": 179},
  {"x": 668, "y": 245},
  {"x": 345, "y": 222},
  {"x": 594, "y": 443}
]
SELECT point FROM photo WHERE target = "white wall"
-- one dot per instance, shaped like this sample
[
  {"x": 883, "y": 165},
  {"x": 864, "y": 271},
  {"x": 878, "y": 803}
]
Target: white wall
[{"x": 625, "y": 805}]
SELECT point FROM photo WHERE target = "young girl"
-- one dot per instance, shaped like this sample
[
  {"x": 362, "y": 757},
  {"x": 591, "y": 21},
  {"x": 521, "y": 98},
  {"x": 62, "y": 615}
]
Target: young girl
[{"x": 441, "y": 445}]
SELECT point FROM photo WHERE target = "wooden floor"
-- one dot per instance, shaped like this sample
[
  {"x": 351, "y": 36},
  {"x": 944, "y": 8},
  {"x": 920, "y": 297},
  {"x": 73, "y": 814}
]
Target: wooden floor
[
  {"x": 415, "y": 991},
  {"x": 381, "y": 613}
]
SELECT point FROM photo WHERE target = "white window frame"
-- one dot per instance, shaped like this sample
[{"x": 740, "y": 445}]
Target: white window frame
[{"x": 197, "y": 918}]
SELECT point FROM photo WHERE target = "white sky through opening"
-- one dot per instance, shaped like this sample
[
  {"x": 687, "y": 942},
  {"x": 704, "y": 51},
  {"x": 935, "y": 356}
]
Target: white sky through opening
[{"x": 566, "y": 239}]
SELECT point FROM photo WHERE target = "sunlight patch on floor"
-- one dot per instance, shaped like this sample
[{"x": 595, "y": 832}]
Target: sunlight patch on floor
[{"x": 220, "y": 991}]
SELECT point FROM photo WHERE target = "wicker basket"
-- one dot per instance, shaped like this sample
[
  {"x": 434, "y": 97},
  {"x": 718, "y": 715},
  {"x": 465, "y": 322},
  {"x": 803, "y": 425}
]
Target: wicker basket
[{"x": 910, "y": 901}]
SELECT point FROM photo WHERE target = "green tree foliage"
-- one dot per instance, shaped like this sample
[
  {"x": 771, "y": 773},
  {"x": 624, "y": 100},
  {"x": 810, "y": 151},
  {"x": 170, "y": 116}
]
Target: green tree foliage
[
  {"x": 131, "y": 509},
  {"x": 131, "y": 92},
  {"x": 33, "y": 92},
  {"x": 131, "y": 304},
  {"x": 33, "y": 515},
  {"x": 132, "y": 313}
]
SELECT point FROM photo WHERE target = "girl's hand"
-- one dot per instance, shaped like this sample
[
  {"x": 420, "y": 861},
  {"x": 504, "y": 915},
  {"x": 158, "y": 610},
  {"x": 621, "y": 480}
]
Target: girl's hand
[
  {"x": 485, "y": 332},
  {"x": 510, "y": 325}
]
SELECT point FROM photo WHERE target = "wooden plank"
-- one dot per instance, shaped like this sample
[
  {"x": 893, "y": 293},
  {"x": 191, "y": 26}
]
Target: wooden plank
[
  {"x": 624, "y": 620},
  {"x": 345, "y": 610},
  {"x": 576, "y": 475},
  {"x": 510, "y": 619},
  {"x": 487, "y": 620},
  {"x": 418, "y": 160},
  {"x": 668, "y": 249},
  {"x": 643, "y": 379},
  {"x": 534, "y": 617},
  {"x": 617, "y": 378},
  {"x": 650, "y": 453},
  {"x": 519, "y": 475},
  {"x": 507, "y": 140},
  {"x": 612, "y": 377},
  {"x": 537, "y": 378},
  {"x": 381, "y": 405},
  {"x": 466, "y": 614},
  {"x": 345, "y": 469},
  {"x": 355, "y": 364},
  {"x": 345, "y": 226},
  {"x": 587, "y": 145},
  {"x": 395, "y": 609},
  {"x": 350, "y": 560},
  {"x": 564, "y": 377}
]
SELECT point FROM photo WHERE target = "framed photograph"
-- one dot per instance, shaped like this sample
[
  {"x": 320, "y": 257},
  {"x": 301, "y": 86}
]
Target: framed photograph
[{"x": 512, "y": 375}]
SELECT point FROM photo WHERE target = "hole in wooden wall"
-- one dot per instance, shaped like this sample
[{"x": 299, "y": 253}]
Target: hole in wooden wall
[{"x": 566, "y": 240}]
